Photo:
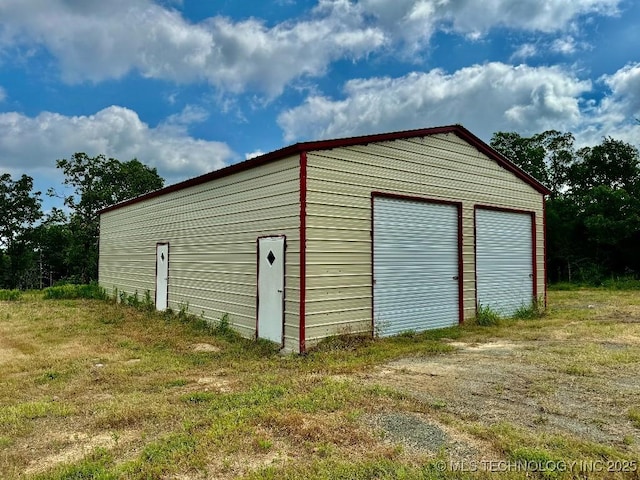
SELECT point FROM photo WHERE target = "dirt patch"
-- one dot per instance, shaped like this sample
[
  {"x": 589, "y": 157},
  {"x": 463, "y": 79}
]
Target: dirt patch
[
  {"x": 414, "y": 431},
  {"x": 205, "y": 347},
  {"x": 222, "y": 385},
  {"x": 11, "y": 349},
  {"x": 522, "y": 383},
  {"x": 426, "y": 435},
  {"x": 75, "y": 446},
  {"x": 9, "y": 354}
]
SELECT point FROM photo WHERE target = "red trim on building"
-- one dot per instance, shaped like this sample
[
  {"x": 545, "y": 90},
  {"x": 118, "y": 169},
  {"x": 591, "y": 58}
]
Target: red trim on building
[
  {"x": 284, "y": 289},
  {"x": 398, "y": 196},
  {"x": 544, "y": 240},
  {"x": 475, "y": 260},
  {"x": 300, "y": 148},
  {"x": 534, "y": 271},
  {"x": 303, "y": 250},
  {"x": 500, "y": 209},
  {"x": 460, "y": 268},
  {"x": 503, "y": 161},
  {"x": 414, "y": 198}
]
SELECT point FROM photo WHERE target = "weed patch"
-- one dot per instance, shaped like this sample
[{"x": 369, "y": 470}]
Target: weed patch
[
  {"x": 486, "y": 316},
  {"x": 95, "y": 466},
  {"x": 198, "y": 397},
  {"x": 529, "y": 312},
  {"x": 10, "y": 295},
  {"x": 70, "y": 291},
  {"x": 634, "y": 416}
]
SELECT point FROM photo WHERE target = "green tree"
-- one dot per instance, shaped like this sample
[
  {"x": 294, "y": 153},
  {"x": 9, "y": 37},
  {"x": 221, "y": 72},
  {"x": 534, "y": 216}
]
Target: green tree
[
  {"x": 605, "y": 187},
  {"x": 20, "y": 209},
  {"x": 97, "y": 183},
  {"x": 593, "y": 213},
  {"x": 545, "y": 156},
  {"x": 613, "y": 163},
  {"x": 53, "y": 239}
]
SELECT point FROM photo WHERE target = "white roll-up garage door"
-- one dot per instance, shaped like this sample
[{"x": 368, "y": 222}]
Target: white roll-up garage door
[
  {"x": 504, "y": 260},
  {"x": 415, "y": 265}
]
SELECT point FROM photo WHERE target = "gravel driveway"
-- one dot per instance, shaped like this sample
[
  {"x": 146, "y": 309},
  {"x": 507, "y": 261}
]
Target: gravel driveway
[{"x": 558, "y": 383}]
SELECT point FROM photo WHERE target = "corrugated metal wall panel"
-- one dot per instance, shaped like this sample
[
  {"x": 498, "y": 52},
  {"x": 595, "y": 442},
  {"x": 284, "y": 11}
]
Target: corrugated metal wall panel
[
  {"x": 212, "y": 229},
  {"x": 440, "y": 167},
  {"x": 504, "y": 261},
  {"x": 415, "y": 265}
]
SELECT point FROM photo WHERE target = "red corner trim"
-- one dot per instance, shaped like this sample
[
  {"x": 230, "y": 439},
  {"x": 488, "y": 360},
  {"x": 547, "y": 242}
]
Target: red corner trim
[
  {"x": 460, "y": 268},
  {"x": 544, "y": 233}
]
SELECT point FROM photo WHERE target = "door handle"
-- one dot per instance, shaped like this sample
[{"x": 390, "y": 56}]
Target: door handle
[
  {"x": 279, "y": 290},
  {"x": 455, "y": 278}
]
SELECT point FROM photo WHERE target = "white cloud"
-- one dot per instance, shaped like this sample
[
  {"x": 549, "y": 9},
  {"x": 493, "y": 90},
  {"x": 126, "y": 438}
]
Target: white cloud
[
  {"x": 484, "y": 98},
  {"x": 414, "y": 21},
  {"x": 565, "y": 45},
  {"x": 189, "y": 115},
  {"x": 615, "y": 115},
  {"x": 97, "y": 40},
  {"x": 32, "y": 144},
  {"x": 524, "y": 51},
  {"x": 625, "y": 88},
  {"x": 253, "y": 154}
]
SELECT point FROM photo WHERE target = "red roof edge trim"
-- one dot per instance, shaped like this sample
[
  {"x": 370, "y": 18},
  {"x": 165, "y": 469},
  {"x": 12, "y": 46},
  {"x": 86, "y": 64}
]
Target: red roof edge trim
[
  {"x": 501, "y": 159},
  {"x": 298, "y": 148},
  {"x": 207, "y": 177}
]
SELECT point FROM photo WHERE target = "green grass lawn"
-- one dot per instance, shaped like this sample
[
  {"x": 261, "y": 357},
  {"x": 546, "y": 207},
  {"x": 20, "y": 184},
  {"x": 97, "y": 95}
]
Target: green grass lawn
[{"x": 89, "y": 389}]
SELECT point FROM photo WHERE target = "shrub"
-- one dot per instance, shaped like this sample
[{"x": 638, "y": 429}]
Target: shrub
[
  {"x": 625, "y": 282},
  {"x": 528, "y": 312},
  {"x": 621, "y": 283},
  {"x": 564, "y": 286},
  {"x": 72, "y": 291},
  {"x": 10, "y": 295},
  {"x": 148, "y": 303},
  {"x": 486, "y": 316}
]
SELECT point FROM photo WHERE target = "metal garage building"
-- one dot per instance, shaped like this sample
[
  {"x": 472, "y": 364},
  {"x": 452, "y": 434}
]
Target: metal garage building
[{"x": 381, "y": 233}]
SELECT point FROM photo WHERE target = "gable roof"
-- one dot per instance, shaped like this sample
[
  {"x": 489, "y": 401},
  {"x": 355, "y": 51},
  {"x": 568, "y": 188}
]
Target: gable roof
[{"x": 299, "y": 148}]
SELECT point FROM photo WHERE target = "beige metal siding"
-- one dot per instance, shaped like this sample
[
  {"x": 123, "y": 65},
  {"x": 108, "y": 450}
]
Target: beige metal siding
[
  {"x": 339, "y": 184},
  {"x": 212, "y": 229}
]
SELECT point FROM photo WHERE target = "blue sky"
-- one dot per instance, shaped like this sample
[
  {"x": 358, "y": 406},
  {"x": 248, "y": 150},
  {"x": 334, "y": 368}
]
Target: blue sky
[{"x": 189, "y": 86}]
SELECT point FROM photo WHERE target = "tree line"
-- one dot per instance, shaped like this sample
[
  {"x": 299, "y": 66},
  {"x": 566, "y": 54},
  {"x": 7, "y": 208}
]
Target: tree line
[
  {"x": 593, "y": 211},
  {"x": 37, "y": 249}
]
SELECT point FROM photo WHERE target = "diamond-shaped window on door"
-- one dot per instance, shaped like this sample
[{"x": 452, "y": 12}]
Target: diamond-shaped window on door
[
  {"x": 271, "y": 257},
  {"x": 162, "y": 256}
]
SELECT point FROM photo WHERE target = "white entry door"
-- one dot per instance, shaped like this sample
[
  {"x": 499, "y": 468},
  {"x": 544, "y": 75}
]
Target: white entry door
[
  {"x": 271, "y": 288},
  {"x": 162, "y": 276}
]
